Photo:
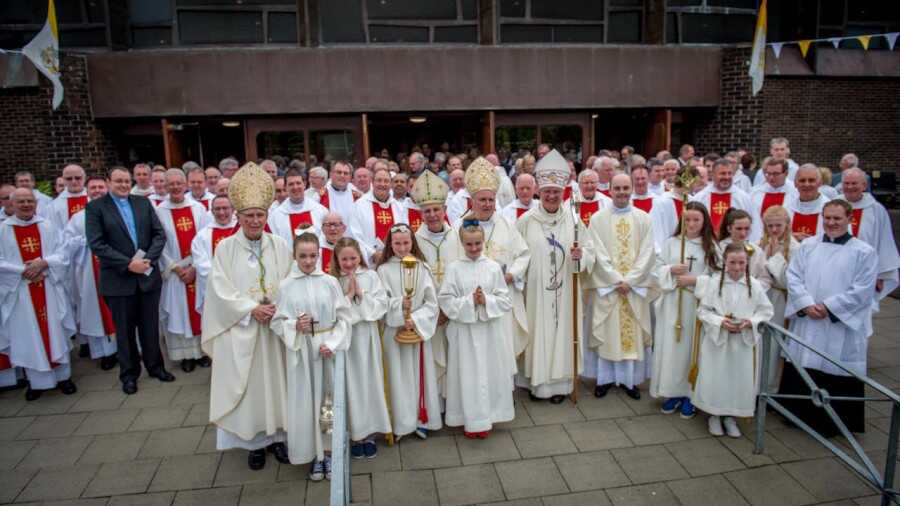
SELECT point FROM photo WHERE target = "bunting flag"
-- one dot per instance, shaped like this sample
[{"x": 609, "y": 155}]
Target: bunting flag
[
  {"x": 804, "y": 47},
  {"x": 43, "y": 51},
  {"x": 864, "y": 40},
  {"x": 805, "y": 44},
  {"x": 835, "y": 41},
  {"x": 776, "y": 48},
  {"x": 891, "y": 39},
  {"x": 758, "y": 56}
]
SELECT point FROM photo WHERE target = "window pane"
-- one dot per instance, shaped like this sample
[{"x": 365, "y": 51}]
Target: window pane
[
  {"x": 411, "y": 9},
  {"x": 564, "y": 138},
  {"x": 24, "y": 12},
  {"x": 717, "y": 28},
  {"x": 391, "y": 34},
  {"x": 341, "y": 21},
  {"x": 67, "y": 11},
  {"x": 282, "y": 27},
  {"x": 832, "y": 12},
  {"x": 469, "y": 9},
  {"x": 151, "y": 37},
  {"x": 462, "y": 34},
  {"x": 287, "y": 144},
  {"x": 518, "y": 34},
  {"x": 671, "y": 28},
  {"x": 567, "y": 9},
  {"x": 330, "y": 145},
  {"x": 150, "y": 12},
  {"x": 512, "y": 8},
  {"x": 736, "y": 4},
  {"x": 10, "y": 39},
  {"x": 229, "y": 3},
  {"x": 578, "y": 33},
  {"x": 514, "y": 138},
  {"x": 682, "y": 3},
  {"x": 203, "y": 27},
  {"x": 95, "y": 37},
  {"x": 96, "y": 11},
  {"x": 873, "y": 11},
  {"x": 626, "y": 3},
  {"x": 625, "y": 27}
]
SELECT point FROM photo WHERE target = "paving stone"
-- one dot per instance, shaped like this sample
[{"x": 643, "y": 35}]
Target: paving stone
[
  {"x": 168, "y": 417},
  {"x": 388, "y": 459},
  {"x": 543, "y": 413},
  {"x": 597, "y": 435},
  {"x": 827, "y": 479},
  {"x": 167, "y": 442},
  {"x": 198, "y": 415},
  {"x": 58, "y": 483},
  {"x": 151, "y": 397},
  {"x": 532, "y": 501},
  {"x": 704, "y": 456},
  {"x": 361, "y": 489},
  {"x": 157, "y": 499},
  {"x": 185, "y": 472},
  {"x": 695, "y": 428},
  {"x": 51, "y": 403},
  {"x": 97, "y": 382},
  {"x": 769, "y": 486},
  {"x": 645, "y": 464},
  {"x": 107, "y": 422},
  {"x": 99, "y": 401},
  {"x": 656, "y": 494},
  {"x": 530, "y": 478},
  {"x": 121, "y": 478},
  {"x": 543, "y": 441},
  {"x": 78, "y": 502},
  {"x": 212, "y": 497},
  {"x": 702, "y": 490},
  {"x": 12, "y": 452},
  {"x": 273, "y": 494},
  {"x": 233, "y": 470},
  {"x": 318, "y": 493},
  {"x": 427, "y": 454},
  {"x": 522, "y": 419},
  {"x": 399, "y": 488},
  {"x": 10, "y": 406},
  {"x": 611, "y": 406},
  {"x": 57, "y": 452},
  {"x": 802, "y": 445},
  {"x": 52, "y": 426},
  {"x": 590, "y": 471},
  {"x": 650, "y": 429},
  {"x": 468, "y": 485},
  {"x": 189, "y": 395},
  {"x": 208, "y": 441},
  {"x": 773, "y": 451},
  {"x": 13, "y": 481},
  {"x": 593, "y": 498},
  {"x": 499, "y": 446},
  {"x": 10, "y": 428},
  {"x": 114, "y": 448}
]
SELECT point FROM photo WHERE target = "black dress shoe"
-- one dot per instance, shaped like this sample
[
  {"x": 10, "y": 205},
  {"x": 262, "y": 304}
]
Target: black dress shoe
[
  {"x": 164, "y": 376},
  {"x": 280, "y": 452},
  {"x": 19, "y": 384},
  {"x": 84, "y": 351},
  {"x": 634, "y": 393},
  {"x": 33, "y": 395},
  {"x": 67, "y": 387},
  {"x": 557, "y": 399},
  {"x": 256, "y": 460},
  {"x": 535, "y": 398},
  {"x": 601, "y": 390},
  {"x": 107, "y": 363},
  {"x": 204, "y": 361},
  {"x": 188, "y": 365},
  {"x": 129, "y": 387}
]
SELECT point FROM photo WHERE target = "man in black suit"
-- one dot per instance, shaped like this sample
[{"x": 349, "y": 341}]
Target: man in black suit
[{"x": 118, "y": 226}]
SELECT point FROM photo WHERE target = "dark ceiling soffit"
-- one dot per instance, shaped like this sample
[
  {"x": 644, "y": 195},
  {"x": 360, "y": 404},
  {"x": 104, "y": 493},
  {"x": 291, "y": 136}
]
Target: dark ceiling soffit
[{"x": 374, "y": 79}]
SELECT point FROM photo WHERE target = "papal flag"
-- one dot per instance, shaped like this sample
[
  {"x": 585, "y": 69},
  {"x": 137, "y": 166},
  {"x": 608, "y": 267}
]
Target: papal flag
[
  {"x": 758, "y": 57},
  {"x": 43, "y": 51}
]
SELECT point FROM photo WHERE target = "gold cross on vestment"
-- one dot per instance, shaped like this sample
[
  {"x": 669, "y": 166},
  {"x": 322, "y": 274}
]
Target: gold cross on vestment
[
  {"x": 76, "y": 208},
  {"x": 804, "y": 230},
  {"x": 30, "y": 245},
  {"x": 184, "y": 224},
  {"x": 384, "y": 216},
  {"x": 720, "y": 208}
]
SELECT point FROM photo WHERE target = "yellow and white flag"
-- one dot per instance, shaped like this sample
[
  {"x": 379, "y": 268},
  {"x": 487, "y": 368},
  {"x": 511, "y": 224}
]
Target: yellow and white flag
[
  {"x": 758, "y": 57},
  {"x": 43, "y": 51}
]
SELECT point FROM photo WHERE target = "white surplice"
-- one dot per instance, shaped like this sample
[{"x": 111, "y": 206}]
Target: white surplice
[
  {"x": 204, "y": 200},
  {"x": 875, "y": 230},
  {"x": 841, "y": 276},
  {"x": 309, "y": 375},
  {"x": 671, "y": 356},
  {"x": 777, "y": 266},
  {"x": 202, "y": 255},
  {"x": 812, "y": 207},
  {"x": 516, "y": 209},
  {"x": 727, "y": 378},
  {"x": 280, "y": 218},
  {"x": 248, "y": 399},
  {"x": 20, "y": 336},
  {"x": 664, "y": 219},
  {"x": 411, "y": 367},
  {"x": 506, "y": 193},
  {"x": 756, "y": 198},
  {"x": 479, "y": 392},
  {"x": 363, "y": 228},
  {"x": 742, "y": 181},
  {"x": 756, "y": 257},
  {"x": 340, "y": 202},
  {"x": 58, "y": 210},
  {"x": 550, "y": 357}
]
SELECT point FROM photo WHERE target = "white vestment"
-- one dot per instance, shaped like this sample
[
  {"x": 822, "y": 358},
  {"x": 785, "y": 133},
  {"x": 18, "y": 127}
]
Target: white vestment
[
  {"x": 479, "y": 392},
  {"x": 515, "y": 209},
  {"x": 58, "y": 211},
  {"x": 874, "y": 228},
  {"x": 364, "y": 227},
  {"x": 339, "y": 201},
  {"x": 777, "y": 266},
  {"x": 248, "y": 400},
  {"x": 280, "y": 218},
  {"x": 43, "y": 203},
  {"x": 739, "y": 200},
  {"x": 757, "y": 260},
  {"x": 728, "y": 362},
  {"x": 411, "y": 369},
  {"x": 204, "y": 200},
  {"x": 757, "y": 198},
  {"x": 799, "y": 210},
  {"x": 142, "y": 192},
  {"x": 664, "y": 219},
  {"x": 309, "y": 375},
  {"x": 202, "y": 251},
  {"x": 506, "y": 193},
  {"x": 742, "y": 181}
]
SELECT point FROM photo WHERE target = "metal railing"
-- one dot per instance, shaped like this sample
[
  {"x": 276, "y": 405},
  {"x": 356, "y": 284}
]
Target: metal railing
[
  {"x": 862, "y": 464},
  {"x": 340, "y": 436}
]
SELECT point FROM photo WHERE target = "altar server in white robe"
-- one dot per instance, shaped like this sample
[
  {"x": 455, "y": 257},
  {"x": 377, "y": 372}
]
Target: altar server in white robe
[
  {"x": 203, "y": 248},
  {"x": 736, "y": 227},
  {"x": 95, "y": 322},
  {"x": 525, "y": 191},
  {"x": 366, "y": 405},
  {"x": 871, "y": 223},
  {"x": 623, "y": 279},
  {"x": 666, "y": 213},
  {"x": 551, "y": 362},
  {"x": 677, "y": 276},
  {"x": 474, "y": 297},
  {"x": 338, "y": 196},
  {"x": 732, "y": 305},
  {"x": 412, "y": 380},
  {"x": 831, "y": 289},
  {"x": 36, "y": 321},
  {"x": 181, "y": 218},
  {"x": 376, "y": 212},
  {"x": 296, "y": 211},
  {"x": 806, "y": 207},
  {"x": 73, "y": 199},
  {"x": 248, "y": 400},
  {"x": 313, "y": 320},
  {"x": 722, "y": 194}
]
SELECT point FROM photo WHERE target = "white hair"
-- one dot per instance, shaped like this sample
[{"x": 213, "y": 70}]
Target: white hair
[
  {"x": 600, "y": 161},
  {"x": 189, "y": 166},
  {"x": 318, "y": 171},
  {"x": 582, "y": 174},
  {"x": 175, "y": 172},
  {"x": 812, "y": 167},
  {"x": 851, "y": 159}
]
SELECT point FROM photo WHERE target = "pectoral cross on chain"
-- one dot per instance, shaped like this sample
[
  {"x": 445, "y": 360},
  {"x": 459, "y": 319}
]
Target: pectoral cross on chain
[{"x": 691, "y": 259}]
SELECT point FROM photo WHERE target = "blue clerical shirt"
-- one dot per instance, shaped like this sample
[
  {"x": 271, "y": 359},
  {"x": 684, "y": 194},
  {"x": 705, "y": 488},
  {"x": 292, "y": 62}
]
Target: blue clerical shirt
[{"x": 127, "y": 216}]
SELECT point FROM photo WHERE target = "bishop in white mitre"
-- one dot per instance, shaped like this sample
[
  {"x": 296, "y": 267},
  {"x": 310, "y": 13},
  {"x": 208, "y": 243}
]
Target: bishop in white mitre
[
  {"x": 203, "y": 248},
  {"x": 296, "y": 212}
]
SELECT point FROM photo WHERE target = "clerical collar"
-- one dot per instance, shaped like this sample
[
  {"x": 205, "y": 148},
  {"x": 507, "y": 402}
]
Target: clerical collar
[
  {"x": 621, "y": 210},
  {"x": 119, "y": 199},
  {"x": 818, "y": 195},
  {"x": 335, "y": 188},
  {"x": 840, "y": 240}
]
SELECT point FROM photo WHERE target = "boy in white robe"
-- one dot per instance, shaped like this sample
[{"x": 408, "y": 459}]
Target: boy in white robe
[
  {"x": 313, "y": 320},
  {"x": 474, "y": 297}
]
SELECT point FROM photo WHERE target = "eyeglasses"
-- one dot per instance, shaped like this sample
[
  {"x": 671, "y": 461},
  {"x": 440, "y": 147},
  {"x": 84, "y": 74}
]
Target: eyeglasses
[{"x": 72, "y": 178}]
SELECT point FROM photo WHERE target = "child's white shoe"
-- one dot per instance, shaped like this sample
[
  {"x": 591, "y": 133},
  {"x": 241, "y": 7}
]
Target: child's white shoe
[
  {"x": 731, "y": 427},
  {"x": 715, "y": 426}
]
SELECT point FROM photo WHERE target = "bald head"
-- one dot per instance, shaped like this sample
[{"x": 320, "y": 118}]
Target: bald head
[
  {"x": 620, "y": 190},
  {"x": 73, "y": 177},
  {"x": 176, "y": 184},
  {"x": 525, "y": 188},
  {"x": 24, "y": 203},
  {"x": 854, "y": 184}
]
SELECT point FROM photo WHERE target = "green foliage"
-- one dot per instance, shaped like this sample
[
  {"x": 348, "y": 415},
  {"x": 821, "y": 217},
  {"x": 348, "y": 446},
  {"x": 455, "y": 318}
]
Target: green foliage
[{"x": 45, "y": 187}]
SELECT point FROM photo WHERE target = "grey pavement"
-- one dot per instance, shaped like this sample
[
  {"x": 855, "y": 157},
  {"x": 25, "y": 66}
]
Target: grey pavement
[{"x": 100, "y": 447}]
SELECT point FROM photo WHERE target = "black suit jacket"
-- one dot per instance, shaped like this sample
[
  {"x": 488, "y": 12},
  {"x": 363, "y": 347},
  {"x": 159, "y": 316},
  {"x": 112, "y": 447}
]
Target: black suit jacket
[{"x": 108, "y": 238}]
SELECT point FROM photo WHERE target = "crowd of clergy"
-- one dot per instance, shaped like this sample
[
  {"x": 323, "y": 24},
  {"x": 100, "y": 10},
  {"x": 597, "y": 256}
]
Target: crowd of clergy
[{"x": 454, "y": 280}]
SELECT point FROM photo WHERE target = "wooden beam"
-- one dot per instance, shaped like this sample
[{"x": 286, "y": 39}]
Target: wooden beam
[
  {"x": 172, "y": 145},
  {"x": 655, "y": 21},
  {"x": 487, "y": 22},
  {"x": 487, "y": 133},
  {"x": 366, "y": 152}
]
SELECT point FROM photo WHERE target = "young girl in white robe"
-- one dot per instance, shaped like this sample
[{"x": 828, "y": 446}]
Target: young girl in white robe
[
  {"x": 672, "y": 353},
  {"x": 366, "y": 405},
  {"x": 412, "y": 378},
  {"x": 313, "y": 320},
  {"x": 732, "y": 305},
  {"x": 778, "y": 244},
  {"x": 735, "y": 228},
  {"x": 474, "y": 297}
]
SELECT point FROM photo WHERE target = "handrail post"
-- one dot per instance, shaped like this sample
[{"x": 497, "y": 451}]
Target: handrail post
[
  {"x": 890, "y": 464},
  {"x": 340, "y": 448},
  {"x": 763, "y": 397}
]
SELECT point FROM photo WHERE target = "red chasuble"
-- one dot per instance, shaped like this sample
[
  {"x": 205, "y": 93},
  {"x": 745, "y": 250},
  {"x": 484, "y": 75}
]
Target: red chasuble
[
  {"x": 204, "y": 203},
  {"x": 185, "y": 230},
  {"x": 855, "y": 220},
  {"x": 76, "y": 204},
  {"x": 679, "y": 206},
  {"x": 298, "y": 219},
  {"x": 323, "y": 198},
  {"x": 221, "y": 233},
  {"x": 771, "y": 199},
  {"x": 4, "y": 362},
  {"x": 415, "y": 218},
  {"x": 157, "y": 202},
  {"x": 520, "y": 211},
  {"x": 384, "y": 220},
  {"x": 587, "y": 209},
  {"x": 643, "y": 204},
  {"x": 105, "y": 314},
  {"x": 719, "y": 203},
  {"x": 605, "y": 192},
  {"x": 805, "y": 223},
  {"x": 567, "y": 193},
  {"x": 28, "y": 238},
  {"x": 326, "y": 258}
]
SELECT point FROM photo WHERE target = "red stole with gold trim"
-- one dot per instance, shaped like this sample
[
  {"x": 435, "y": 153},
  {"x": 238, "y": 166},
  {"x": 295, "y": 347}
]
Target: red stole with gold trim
[
  {"x": 769, "y": 200},
  {"x": 326, "y": 258},
  {"x": 204, "y": 203},
  {"x": 679, "y": 206},
  {"x": 719, "y": 204},
  {"x": 323, "y": 198},
  {"x": 643, "y": 204},
  {"x": 855, "y": 221},
  {"x": 587, "y": 209},
  {"x": 221, "y": 233},
  {"x": 185, "y": 230},
  {"x": 415, "y": 218},
  {"x": 804, "y": 223},
  {"x": 567, "y": 193},
  {"x": 520, "y": 211},
  {"x": 105, "y": 314},
  {"x": 384, "y": 220},
  {"x": 76, "y": 204},
  {"x": 298, "y": 219},
  {"x": 28, "y": 237}
]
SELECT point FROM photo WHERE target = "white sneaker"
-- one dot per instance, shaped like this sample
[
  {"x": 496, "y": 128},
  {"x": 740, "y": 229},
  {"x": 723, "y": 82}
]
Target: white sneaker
[
  {"x": 731, "y": 427},
  {"x": 715, "y": 426}
]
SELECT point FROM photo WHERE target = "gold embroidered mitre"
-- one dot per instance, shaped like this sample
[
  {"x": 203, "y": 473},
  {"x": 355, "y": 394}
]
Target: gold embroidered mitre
[
  {"x": 251, "y": 188},
  {"x": 552, "y": 171},
  {"x": 481, "y": 176},
  {"x": 429, "y": 189}
]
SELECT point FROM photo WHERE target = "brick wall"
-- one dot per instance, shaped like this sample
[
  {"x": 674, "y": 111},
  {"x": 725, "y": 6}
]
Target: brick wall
[{"x": 36, "y": 138}]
